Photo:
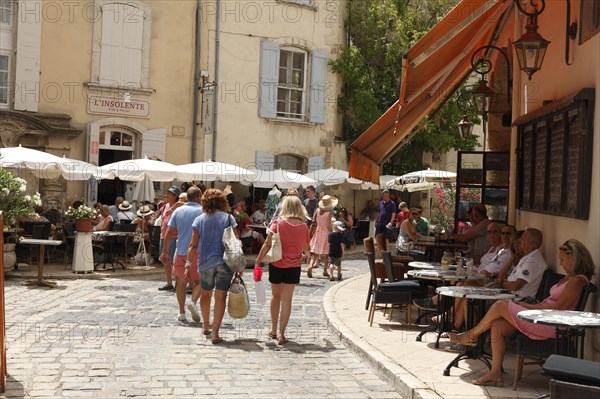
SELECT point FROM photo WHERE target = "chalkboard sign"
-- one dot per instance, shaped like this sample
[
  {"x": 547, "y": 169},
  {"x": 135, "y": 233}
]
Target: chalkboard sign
[
  {"x": 557, "y": 146},
  {"x": 539, "y": 177},
  {"x": 555, "y": 157}
]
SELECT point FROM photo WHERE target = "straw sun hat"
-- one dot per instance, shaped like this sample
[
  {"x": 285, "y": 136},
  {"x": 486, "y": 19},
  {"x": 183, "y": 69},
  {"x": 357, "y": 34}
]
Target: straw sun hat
[{"x": 327, "y": 203}]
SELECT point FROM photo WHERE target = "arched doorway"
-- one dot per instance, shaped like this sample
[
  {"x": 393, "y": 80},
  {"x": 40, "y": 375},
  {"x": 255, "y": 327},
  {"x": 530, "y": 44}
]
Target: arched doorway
[{"x": 115, "y": 144}]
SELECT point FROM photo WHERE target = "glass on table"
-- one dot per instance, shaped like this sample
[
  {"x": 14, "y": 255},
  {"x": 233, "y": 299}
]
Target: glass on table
[
  {"x": 446, "y": 260},
  {"x": 470, "y": 266}
]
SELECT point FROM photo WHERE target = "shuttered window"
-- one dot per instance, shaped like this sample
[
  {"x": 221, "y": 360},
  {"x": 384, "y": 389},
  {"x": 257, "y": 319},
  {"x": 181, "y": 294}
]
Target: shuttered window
[
  {"x": 291, "y": 84},
  {"x": 4, "y": 63},
  {"x": 284, "y": 89},
  {"x": 122, "y": 45}
]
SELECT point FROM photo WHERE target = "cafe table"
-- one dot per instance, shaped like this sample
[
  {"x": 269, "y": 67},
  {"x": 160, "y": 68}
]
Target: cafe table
[
  {"x": 41, "y": 253},
  {"x": 109, "y": 246},
  {"x": 442, "y": 277},
  {"x": 568, "y": 323},
  {"x": 476, "y": 300}
]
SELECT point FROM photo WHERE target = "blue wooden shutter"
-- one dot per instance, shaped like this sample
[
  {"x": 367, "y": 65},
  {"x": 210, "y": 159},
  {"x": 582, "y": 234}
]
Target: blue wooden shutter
[
  {"x": 269, "y": 77},
  {"x": 318, "y": 84},
  {"x": 264, "y": 160}
]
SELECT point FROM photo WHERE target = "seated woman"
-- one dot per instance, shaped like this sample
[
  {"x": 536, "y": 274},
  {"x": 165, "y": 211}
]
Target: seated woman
[
  {"x": 493, "y": 261},
  {"x": 104, "y": 219},
  {"x": 243, "y": 220},
  {"x": 408, "y": 232},
  {"x": 502, "y": 318}
]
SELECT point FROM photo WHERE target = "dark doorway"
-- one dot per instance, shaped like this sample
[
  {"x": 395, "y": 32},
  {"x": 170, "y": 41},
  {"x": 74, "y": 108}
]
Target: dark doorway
[{"x": 108, "y": 190}]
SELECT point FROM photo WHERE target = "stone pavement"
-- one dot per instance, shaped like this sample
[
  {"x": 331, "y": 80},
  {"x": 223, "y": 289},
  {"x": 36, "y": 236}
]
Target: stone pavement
[
  {"x": 111, "y": 335},
  {"x": 415, "y": 368}
]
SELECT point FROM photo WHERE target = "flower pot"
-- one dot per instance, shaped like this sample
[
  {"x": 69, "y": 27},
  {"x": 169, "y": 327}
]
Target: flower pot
[
  {"x": 10, "y": 257},
  {"x": 83, "y": 225}
]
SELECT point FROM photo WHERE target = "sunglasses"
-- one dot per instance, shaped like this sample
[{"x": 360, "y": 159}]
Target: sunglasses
[
  {"x": 415, "y": 214},
  {"x": 506, "y": 233},
  {"x": 493, "y": 232}
]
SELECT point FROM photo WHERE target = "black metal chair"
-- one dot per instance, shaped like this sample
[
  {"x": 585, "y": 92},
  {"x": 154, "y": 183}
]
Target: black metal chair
[
  {"x": 390, "y": 293},
  {"x": 68, "y": 237},
  {"x": 399, "y": 265},
  {"x": 539, "y": 350},
  {"x": 572, "y": 377}
]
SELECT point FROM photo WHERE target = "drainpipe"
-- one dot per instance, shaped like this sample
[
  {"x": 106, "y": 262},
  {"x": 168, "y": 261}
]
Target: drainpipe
[
  {"x": 196, "y": 80},
  {"x": 216, "y": 83}
]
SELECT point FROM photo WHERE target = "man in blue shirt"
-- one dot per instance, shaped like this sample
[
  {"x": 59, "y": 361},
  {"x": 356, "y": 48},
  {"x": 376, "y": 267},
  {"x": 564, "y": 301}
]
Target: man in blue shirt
[
  {"x": 385, "y": 219},
  {"x": 181, "y": 221}
]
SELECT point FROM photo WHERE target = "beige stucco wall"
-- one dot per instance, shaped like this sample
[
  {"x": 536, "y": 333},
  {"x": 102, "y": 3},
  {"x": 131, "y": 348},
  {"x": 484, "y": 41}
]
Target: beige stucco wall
[
  {"x": 240, "y": 130},
  {"x": 554, "y": 81},
  {"x": 550, "y": 84},
  {"x": 66, "y": 63}
]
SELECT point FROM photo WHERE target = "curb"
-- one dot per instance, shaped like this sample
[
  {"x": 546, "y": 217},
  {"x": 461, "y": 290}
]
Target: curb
[{"x": 401, "y": 379}]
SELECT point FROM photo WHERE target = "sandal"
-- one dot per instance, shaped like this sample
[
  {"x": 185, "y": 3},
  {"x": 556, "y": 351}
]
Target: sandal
[
  {"x": 217, "y": 340},
  {"x": 207, "y": 332},
  {"x": 283, "y": 341},
  {"x": 325, "y": 274},
  {"x": 272, "y": 335},
  {"x": 461, "y": 339},
  {"x": 309, "y": 272},
  {"x": 496, "y": 382}
]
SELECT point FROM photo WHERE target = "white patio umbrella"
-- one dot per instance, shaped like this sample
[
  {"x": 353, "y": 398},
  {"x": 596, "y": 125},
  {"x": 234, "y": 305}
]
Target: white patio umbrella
[
  {"x": 283, "y": 178},
  {"x": 211, "y": 171},
  {"x": 335, "y": 177},
  {"x": 48, "y": 166},
  {"x": 140, "y": 169},
  {"x": 422, "y": 180}
]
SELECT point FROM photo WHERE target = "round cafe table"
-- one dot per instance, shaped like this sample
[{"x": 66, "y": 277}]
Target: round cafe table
[
  {"x": 568, "y": 323},
  {"x": 476, "y": 299},
  {"x": 425, "y": 265}
]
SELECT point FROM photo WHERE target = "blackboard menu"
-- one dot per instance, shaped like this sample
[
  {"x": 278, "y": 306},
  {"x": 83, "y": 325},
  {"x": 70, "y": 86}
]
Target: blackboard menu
[
  {"x": 539, "y": 187},
  {"x": 557, "y": 148},
  {"x": 555, "y": 157}
]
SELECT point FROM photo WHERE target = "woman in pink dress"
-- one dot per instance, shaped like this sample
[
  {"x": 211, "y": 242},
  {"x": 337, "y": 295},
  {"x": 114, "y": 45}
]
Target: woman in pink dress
[
  {"x": 318, "y": 243},
  {"x": 502, "y": 318}
]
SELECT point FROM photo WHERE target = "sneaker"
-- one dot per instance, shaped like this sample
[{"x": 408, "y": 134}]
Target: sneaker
[
  {"x": 166, "y": 287},
  {"x": 194, "y": 311},
  {"x": 181, "y": 317},
  {"x": 426, "y": 304}
]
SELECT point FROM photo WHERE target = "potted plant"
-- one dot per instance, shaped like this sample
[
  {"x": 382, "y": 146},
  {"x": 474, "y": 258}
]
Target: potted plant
[
  {"x": 15, "y": 204},
  {"x": 82, "y": 215}
]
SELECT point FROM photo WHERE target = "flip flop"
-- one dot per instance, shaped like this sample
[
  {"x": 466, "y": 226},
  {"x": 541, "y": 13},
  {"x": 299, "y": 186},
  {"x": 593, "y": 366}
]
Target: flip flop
[
  {"x": 498, "y": 382},
  {"x": 283, "y": 341},
  {"x": 216, "y": 341},
  {"x": 456, "y": 338},
  {"x": 272, "y": 335}
]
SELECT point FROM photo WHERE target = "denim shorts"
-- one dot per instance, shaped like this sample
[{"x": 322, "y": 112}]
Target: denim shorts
[
  {"x": 216, "y": 278},
  {"x": 172, "y": 247}
]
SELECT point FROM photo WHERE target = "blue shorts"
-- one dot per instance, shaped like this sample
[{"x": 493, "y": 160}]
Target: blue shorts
[
  {"x": 172, "y": 248},
  {"x": 216, "y": 278}
]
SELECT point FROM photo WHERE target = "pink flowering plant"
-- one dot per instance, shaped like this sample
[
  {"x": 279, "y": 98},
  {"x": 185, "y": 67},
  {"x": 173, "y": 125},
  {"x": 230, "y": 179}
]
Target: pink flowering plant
[{"x": 444, "y": 205}]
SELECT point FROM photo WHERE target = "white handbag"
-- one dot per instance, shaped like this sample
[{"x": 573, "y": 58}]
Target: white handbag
[
  {"x": 275, "y": 252},
  {"x": 234, "y": 252}
]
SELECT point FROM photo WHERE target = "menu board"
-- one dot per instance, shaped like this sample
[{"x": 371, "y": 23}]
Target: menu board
[
  {"x": 555, "y": 157},
  {"x": 557, "y": 147},
  {"x": 539, "y": 187}
]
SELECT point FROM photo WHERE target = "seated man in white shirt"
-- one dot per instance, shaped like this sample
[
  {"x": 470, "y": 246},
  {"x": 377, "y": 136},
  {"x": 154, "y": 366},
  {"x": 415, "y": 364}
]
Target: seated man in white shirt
[
  {"x": 260, "y": 214},
  {"x": 125, "y": 215}
]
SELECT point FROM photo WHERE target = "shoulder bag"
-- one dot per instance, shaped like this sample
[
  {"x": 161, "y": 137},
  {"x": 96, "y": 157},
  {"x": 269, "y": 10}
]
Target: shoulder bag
[
  {"x": 234, "y": 252},
  {"x": 275, "y": 252}
]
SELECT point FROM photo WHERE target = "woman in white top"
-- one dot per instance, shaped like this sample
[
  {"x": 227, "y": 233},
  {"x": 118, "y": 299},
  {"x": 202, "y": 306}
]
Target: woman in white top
[
  {"x": 495, "y": 259},
  {"x": 104, "y": 219},
  {"x": 408, "y": 231}
]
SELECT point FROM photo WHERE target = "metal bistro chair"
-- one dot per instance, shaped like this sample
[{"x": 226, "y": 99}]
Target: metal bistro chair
[
  {"x": 539, "y": 350},
  {"x": 68, "y": 237},
  {"x": 399, "y": 266},
  {"x": 389, "y": 293}
]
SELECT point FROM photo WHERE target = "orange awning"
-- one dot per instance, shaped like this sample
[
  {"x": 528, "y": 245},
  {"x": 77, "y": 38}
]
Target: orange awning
[{"x": 434, "y": 67}]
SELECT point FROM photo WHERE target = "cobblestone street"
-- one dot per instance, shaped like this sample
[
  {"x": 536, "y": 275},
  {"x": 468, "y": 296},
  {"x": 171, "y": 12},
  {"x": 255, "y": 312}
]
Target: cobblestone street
[{"x": 118, "y": 337}]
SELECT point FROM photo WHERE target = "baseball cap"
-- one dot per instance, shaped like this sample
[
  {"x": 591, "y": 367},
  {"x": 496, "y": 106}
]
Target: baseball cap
[{"x": 175, "y": 190}]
